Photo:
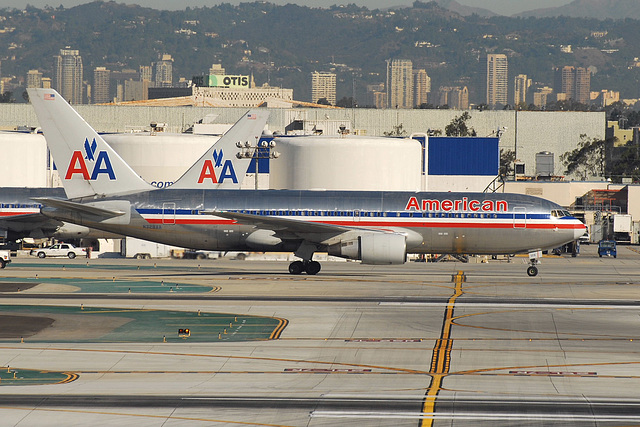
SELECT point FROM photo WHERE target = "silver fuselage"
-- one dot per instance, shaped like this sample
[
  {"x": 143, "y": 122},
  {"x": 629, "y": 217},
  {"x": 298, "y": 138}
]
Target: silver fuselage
[{"x": 434, "y": 222}]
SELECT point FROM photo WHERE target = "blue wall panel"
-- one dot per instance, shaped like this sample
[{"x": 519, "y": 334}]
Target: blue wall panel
[{"x": 463, "y": 156}]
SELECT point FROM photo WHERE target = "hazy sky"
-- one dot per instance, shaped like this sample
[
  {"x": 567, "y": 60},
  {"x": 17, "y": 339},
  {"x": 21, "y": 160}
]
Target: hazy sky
[{"x": 505, "y": 7}]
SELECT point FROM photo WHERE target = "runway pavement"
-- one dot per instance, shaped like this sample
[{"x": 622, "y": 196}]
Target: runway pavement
[{"x": 415, "y": 345}]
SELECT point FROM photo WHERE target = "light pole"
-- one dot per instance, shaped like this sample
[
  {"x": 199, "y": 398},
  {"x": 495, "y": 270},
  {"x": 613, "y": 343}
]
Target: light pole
[{"x": 261, "y": 150}]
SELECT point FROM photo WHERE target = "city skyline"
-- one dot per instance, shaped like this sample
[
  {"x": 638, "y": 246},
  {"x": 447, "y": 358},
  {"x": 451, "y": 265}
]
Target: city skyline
[{"x": 404, "y": 88}]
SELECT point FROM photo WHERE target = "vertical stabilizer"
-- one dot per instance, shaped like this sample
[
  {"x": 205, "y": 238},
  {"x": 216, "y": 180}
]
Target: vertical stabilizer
[
  {"x": 220, "y": 167},
  {"x": 87, "y": 165}
]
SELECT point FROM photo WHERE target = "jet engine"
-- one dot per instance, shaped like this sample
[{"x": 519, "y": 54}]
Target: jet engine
[{"x": 373, "y": 248}]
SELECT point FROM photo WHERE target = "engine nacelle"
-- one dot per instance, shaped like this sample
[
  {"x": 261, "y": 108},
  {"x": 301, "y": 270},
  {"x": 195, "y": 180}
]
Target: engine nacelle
[{"x": 373, "y": 248}]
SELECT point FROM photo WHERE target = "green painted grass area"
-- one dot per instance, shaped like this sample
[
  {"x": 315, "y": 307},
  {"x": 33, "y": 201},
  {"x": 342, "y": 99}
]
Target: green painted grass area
[
  {"x": 150, "y": 325},
  {"x": 115, "y": 285},
  {"x": 20, "y": 377}
]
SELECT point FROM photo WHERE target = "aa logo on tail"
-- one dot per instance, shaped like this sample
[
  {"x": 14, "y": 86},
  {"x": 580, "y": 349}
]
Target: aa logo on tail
[
  {"x": 209, "y": 169},
  {"x": 100, "y": 164}
]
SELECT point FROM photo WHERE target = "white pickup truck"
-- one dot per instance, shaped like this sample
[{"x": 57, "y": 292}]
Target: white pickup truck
[
  {"x": 5, "y": 258},
  {"x": 59, "y": 249}
]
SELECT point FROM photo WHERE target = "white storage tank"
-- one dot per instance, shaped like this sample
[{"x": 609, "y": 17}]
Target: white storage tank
[
  {"x": 160, "y": 158},
  {"x": 347, "y": 163},
  {"x": 24, "y": 160}
]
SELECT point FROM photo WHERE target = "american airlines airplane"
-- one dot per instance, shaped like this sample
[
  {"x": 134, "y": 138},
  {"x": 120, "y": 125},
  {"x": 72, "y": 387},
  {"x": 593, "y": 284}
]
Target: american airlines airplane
[{"x": 374, "y": 227}]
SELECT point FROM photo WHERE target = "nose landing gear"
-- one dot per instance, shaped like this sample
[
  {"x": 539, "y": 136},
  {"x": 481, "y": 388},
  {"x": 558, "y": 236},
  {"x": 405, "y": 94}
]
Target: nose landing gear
[{"x": 532, "y": 271}]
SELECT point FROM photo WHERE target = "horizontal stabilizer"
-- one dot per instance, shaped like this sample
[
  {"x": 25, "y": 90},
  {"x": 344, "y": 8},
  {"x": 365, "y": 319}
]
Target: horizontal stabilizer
[{"x": 80, "y": 208}]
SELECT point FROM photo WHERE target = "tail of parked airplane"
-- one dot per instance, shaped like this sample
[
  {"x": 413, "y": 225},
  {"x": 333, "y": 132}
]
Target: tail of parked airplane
[
  {"x": 87, "y": 165},
  {"x": 220, "y": 167}
]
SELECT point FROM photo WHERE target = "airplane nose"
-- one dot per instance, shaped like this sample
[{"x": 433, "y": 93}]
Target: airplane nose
[{"x": 580, "y": 229}]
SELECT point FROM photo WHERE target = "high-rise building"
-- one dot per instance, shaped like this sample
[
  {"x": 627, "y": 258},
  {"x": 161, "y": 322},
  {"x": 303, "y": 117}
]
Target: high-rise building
[
  {"x": 46, "y": 83},
  {"x": 583, "y": 86},
  {"x": 565, "y": 81},
  {"x": 323, "y": 85},
  {"x": 459, "y": 98},
  {"x": 574, "y": 82},
  {"x": 146, "y": 73},
  {"x": 606, "y": 97},
  {"x": 164, "y": 71},
  {"x": 421, "y": 87},
  {"x": 521, "y": 87},
  {"x": 69, "y": 75},
  {"x": 34, "y": 79},
  {"x": 399, "y": 83},
  {"x": 443, "y": 95},
  {"x": 497, "y": 79},
  {"x": 136, "y": 91},
  {"x": 101, "y": 86},
  {"x": 542, "y": 97},
  {"x": 455, "y": 97},
  {"x": 376, "y": 95},
  {"x": 380, "y": 99}
]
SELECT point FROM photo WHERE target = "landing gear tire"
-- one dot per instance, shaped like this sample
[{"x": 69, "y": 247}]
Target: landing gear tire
[
  {"x": 532, "y": 271},
  {"x": 312, "y": 268},
  {"x": 296, "y": 267}
]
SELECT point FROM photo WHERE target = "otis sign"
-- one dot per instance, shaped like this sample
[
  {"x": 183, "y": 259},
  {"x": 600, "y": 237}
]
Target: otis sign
[
  {"x": 80, "y": 164},
  {"x": 228, "y": 81},
  {"x": 227, "y": 172},
  {"x": 459, "y": 205}
]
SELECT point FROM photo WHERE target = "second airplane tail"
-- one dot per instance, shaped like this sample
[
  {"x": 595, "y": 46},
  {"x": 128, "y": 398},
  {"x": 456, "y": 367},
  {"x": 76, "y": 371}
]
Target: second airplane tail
[{"x": 221, "y": 167}]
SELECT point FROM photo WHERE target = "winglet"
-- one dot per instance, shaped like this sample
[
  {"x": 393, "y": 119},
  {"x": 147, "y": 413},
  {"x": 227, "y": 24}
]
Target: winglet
[
  {"x": 88, "y": 166},
  {"x": 219, "y": 167}
]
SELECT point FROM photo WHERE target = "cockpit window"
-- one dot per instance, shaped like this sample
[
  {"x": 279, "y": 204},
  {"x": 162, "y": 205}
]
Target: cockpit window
[{"x": 560, "y": 213}]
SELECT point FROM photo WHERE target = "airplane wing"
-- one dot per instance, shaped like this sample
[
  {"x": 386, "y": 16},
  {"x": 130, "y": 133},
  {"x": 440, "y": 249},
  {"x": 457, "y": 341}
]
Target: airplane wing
[
  {"x": 287, "y": 228},
  {"x": 33, "y": 225},
  {"x": 279, "y": 223},
  {"x": 32, "y": 218}
]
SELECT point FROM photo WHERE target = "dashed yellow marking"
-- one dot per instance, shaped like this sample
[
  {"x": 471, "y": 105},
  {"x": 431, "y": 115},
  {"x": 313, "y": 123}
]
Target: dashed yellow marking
[{"x": 441, "y": 357}]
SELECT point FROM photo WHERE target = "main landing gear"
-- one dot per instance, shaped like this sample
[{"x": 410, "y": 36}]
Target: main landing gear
[
  {"x": 310, "y": 267},
  {"x": 305, "y": 251}
]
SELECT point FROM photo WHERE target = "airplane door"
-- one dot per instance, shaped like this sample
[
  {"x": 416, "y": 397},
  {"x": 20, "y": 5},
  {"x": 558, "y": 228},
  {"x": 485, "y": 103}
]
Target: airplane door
[
  {"x": 519, "y": 218},
  {"x": 356, "y": 215},
  {"x": 169, "y": 213}
]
